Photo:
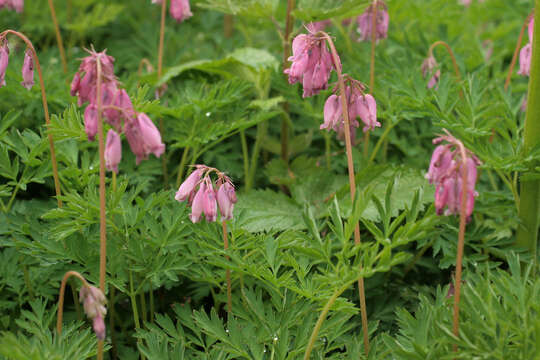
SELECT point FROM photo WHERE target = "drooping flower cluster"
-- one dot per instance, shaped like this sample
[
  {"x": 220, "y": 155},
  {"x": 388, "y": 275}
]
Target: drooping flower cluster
[
  {"x": 448, "y": 163},
  {"x": 179, "y": 9},
  {"x": 27, "y": 69},
  {"x": 430, "y": 68},
  {"x": 94, "y": 307},
  {"x": 117, "y": 110},
  {"x": 205, "y": 197},
  {"x": 365, "y": 22},
  {"x": 525, "y": 53},
  {"x": 17, "y": 5},
  {"x": 359, "y": 104},
  {"x": 311, "y": 62}
]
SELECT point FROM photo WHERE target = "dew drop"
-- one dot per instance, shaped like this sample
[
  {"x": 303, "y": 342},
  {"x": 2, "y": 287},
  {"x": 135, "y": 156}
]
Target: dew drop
[
  {"x": 91, "y": 168},
  {"x": 208, "y": 114}
]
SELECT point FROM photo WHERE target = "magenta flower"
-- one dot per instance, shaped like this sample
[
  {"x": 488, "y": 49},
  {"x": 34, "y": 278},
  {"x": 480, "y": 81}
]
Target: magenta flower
[
  {"x": 91, "y": 121},
  {"x": 359, "y": 105},
  {"x": 94, "y": 307},
  {"x": 365, "y": 22},
  {"x": 530, "y": 29},
  {"x": 180, "y": 10},
  {"x": 28, "y": 70},
  {"x": 17, "y": 5},
  {"x": 446, "y": 173},
  {"x": 428, "y": 67},
  {"x": 202, "y": 196},
  {"x": 113, "y": 151},
  {"x": 525, "y": 55},
  {"x": 4, "y": 60},
  {"x": 311, "y": 63},
  {"x": 143, "y": 137}
]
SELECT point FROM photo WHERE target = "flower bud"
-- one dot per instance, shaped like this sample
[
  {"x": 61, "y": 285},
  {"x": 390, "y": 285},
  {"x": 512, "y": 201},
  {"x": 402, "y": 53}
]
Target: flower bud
[
  {"x": 28, "y": 70},
  {"x": 189, "y": 185},
  {"x": 226, "y": 198},
  {"x": 197, "y": 205},
  {"x": 525, "y": 55},
  {"x": 180, "y": 10},
  {"x": 113, "y": 151},
  {"x": 209, "y": 201},
  {"x": 91, "y": 121},
  {"x": 4, "y": 60},
  {"x": 99, "y": 327}
]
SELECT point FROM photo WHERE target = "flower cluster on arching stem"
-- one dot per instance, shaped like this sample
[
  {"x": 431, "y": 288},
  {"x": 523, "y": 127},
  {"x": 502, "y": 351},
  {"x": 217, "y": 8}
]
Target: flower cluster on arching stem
[
  {"x": 312, "y": 62},
  {"x": 117, "y": 110},
  {"x": 94, "y": 307},
  {"x": 359, "y": 104},
  {"x": 525, "y": 53},
  {"x": 365, "y": 22},
  {"x": 179, "y": 9},
  {"x": 205, "y": 196},
  {"x": 446, "y": 172},
  {"x": 27, "y": 68},
  {"x": 17, "y": 5}
]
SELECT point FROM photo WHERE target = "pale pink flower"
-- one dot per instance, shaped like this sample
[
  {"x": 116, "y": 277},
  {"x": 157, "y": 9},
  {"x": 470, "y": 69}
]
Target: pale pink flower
[
  {"x": 226, "y": 198},
  {"x": 365, "y": 22},
  {"x": 525, "y": 55},
  {"x": 197, "y": 205},
  {"x": 189, "y": 185},
  {"x": 530, "y": 29},
  {"x": 94, "y": 307},
  {"x": 28, "y": 70},
  {"x": 209, "y": 201},
  {"x": 429, "y": 69},
  {"x": 113, "y": 151},
  {"x": 91, "y": 121},
  {"x": 4, "y": 60},
  {"x": 98, "y": 324},
  {"x": 180, "y": 10},
  {"x": 143, "y": 137}
]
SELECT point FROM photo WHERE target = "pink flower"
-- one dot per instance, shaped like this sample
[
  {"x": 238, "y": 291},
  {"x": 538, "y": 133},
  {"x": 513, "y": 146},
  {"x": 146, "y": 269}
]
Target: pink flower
[
  {"x": 4, "y": 60},
  {"x": 530, "y": 29},
  {"x": 226, "y": 198},
  {"x": 209, "y": 201},
  {"x": 525, "y": 60},
  {"x": 16, "y": 5},
  {"x": 332, "y": 113},
  {"x": 367, "y": 110},
  {"x": 197, "y": 205},
  {"x": 113, "y": 151},
  {"x": 91, "y": 121},
  {"x": 143, "y": 137},
  {"x": 365, "y": 22},
  {"x": 94, "y": 307},
  {"x": 99, "y": 327},
  {"x": 180, "y": 10},
  {"x": 28, "y": 70},
  {"x": 189, "y": 185},
  {"x": 465, "y": 2},
  {"x": 428, "y": 66},
  {"x": 311, "y": 63},
  {"x": 446, "y": 171}
]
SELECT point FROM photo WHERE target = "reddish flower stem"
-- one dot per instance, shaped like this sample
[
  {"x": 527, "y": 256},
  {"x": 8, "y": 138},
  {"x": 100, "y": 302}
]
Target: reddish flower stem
[
  {"x": 60, "y": 313},
  {"x": 58, "y": 37},
  {"x": 45, "y": 110},
  {"x": 450, "y": 52},
  {"x": 159, "y": 73},
  {"x": 286, "y": 53},
  {"x": 516, "y": 51},
  {"x": 228, "y": 271},
  {"x": 461, "y": 239},
  {"x": 102, "y": 218},
  {"x": 352, "y": 180},
  {"x": 228, "y": 25}
]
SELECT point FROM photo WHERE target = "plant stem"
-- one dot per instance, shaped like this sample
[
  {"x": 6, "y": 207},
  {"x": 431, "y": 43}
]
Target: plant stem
[
  {"x": 58, "y": 37},
  {"x": 28, "y": 282},
  {"x": 286, "y": 53},
  {"x": 111, "y": 320},
  {"x": 228, "y": 25},
  {"x": 327, "y": 148},
  {"x": 450, "y": 52},
  {"x": 133, "y": 297},
  {"x": 516, "y": 52},
  {"x": 228, "y": 271},
  {"x": 151, "y": 304},
  {"x": 102, "y": 200},
  {"x": 352, "y": 181},
  {"x": 76, "y": 301},
  {"x": 461, "y": 238},
  {"x": 45, "y": 110},
  {"x": 158, "y": 92},
  {"x": 181, "y": 167},
  {"x": 143, "y": 307},
  {"x": 261, "y": 134},
  {"x": 245, "y": 155},
  {"x": 62, "y": 295},
  {"x": 374, "y": 6},
  {"x": 529, "y": 207}
]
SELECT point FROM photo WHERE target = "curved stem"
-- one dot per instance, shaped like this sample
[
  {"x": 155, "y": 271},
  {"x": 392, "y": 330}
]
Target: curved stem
[
  {"x": 147, "y": 63},
  {"x": 228, "y": 271},
  {"x": 45, "y": 110},
  {"x": 58, "y": 37},
  {"x": 352, "y": 180},
  {"x": 102, "y": 209},
  {"x": 516, "y": 52},
  {"x": 158, "y": 92},
  {"x": 450, "y": 52},
  {"x": 62, "y": 295},
  {"x": 461, "y": 239},
  {"x": 380, "y": 142}
]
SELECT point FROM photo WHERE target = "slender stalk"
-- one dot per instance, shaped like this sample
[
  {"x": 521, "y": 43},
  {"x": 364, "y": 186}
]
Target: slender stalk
[
  {"x": 133, "y": 297},
  {"x": 102, "y": 200},
  {"x": 45, "y": 110},
  {"x": 450, "y": 52},
  {"x": 228, "y": 271},
  {"x": 261, "y": 134},
  {"x": 111, "y": 319},
  {"x": 461, "y": 239},
  {"x": 76, "y": 301},
  {"x": 228, "y": 25},
  {"x": 159, "y": 73},
  {"x": 151, "y": 304},
  {"x": 374, "y": 6},
  {"x": 62, "y": 295},
  {"x": 245, "y": 155},
  {"x": 28, "y": 282},
  {"x": 516, "y": 52},
  {"x": 529, "y": 207},
  {"x": 286, "y": 53},
  {"x": 352, "y": 181},
  {"x": 58, "y": 37},
  {"x": 381, "y": 141},
  {"x": 181, "y": 167}
]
